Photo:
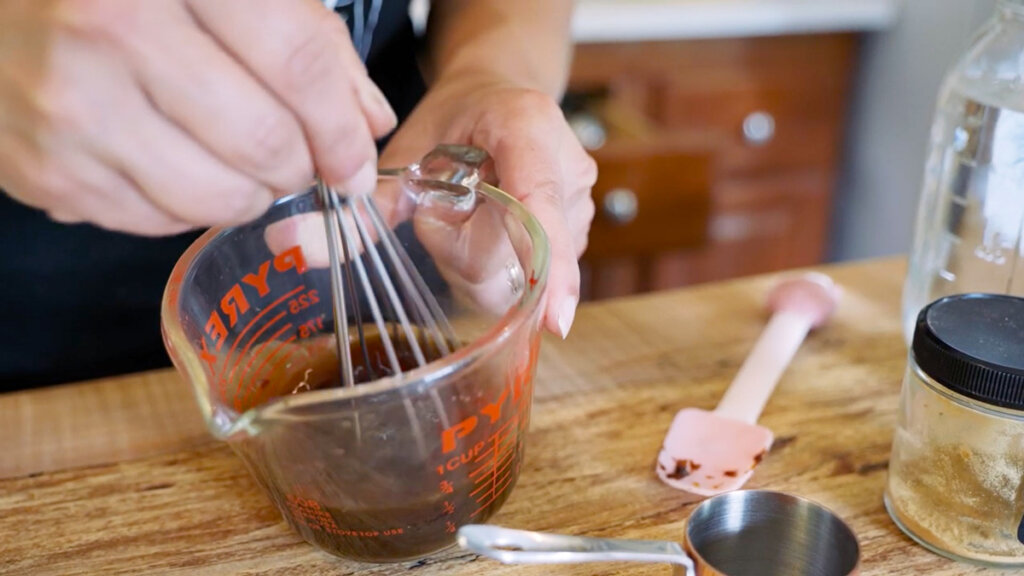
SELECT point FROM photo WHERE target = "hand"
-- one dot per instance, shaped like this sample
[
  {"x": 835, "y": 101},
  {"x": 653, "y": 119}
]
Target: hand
[
  {"x": 158, "y": 116},
  {"x": 537, "y": 159}
]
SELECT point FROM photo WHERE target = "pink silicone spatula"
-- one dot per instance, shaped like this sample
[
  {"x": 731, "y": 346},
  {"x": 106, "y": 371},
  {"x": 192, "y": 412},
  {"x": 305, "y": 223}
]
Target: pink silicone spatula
[{"x": 707, "y": 453}]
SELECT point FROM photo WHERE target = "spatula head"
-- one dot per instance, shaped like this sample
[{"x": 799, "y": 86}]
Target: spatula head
[{"x": 707, "y": 454}]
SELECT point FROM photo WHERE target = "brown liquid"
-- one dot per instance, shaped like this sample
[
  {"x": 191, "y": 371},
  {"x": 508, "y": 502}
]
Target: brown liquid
[
  {"x": 390, "y": 534},
  {"x": 375, "y": 501},
  {"x": 370, "y": 360},
  {"x": 312, "y": 364}
]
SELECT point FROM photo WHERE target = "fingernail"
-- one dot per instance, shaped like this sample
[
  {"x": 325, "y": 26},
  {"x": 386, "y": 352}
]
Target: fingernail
[
  {"x": 566, "y": 314},
  {"x": 364, "y": 181}
]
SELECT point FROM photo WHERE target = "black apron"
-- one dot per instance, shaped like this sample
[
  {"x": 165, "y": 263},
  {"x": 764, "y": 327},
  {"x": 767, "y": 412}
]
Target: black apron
[{"x": 78, "y": 302}]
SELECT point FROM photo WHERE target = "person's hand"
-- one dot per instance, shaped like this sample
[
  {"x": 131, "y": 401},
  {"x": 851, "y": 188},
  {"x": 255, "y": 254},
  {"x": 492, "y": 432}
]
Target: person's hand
[
  {"x": 157, "y": 116},
  {"x": 537, "y": 159}
]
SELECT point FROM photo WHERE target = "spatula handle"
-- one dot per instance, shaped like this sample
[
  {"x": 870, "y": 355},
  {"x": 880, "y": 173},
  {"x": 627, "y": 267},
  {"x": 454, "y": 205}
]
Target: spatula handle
[
  {"x": 523, "y": 547},
  {"x": 756, "y": 380}
]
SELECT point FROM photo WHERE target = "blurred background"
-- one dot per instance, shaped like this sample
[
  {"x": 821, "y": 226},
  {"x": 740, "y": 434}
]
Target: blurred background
[{"x": 737, "y": 137}]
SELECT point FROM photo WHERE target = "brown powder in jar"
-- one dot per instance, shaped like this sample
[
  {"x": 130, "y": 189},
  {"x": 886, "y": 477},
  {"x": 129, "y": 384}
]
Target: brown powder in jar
[{"x": 962, "y": 500}]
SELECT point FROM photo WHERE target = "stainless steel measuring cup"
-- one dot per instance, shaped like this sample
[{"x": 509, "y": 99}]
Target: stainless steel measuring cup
[{"x": 741, "y": 533}]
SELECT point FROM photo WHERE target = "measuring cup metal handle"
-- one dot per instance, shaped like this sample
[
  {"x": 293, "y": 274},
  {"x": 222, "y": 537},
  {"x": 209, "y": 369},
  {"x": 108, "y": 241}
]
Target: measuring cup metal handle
[{"x": 524, "y": 547}]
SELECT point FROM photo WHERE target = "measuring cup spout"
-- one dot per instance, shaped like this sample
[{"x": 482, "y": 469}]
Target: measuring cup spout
[
  {"x": 227, "y": 426},
  {"x": 524, "y": 547}
]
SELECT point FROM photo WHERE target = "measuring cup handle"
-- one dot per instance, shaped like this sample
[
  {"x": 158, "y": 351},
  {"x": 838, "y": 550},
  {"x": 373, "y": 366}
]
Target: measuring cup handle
[
  {"x": 455, "y": 163},
  {"x": 523, "y": 547}
]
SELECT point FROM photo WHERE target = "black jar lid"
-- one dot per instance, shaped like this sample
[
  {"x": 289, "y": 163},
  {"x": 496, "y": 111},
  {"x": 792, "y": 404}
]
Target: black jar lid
[{"x": 973, "y": 344}]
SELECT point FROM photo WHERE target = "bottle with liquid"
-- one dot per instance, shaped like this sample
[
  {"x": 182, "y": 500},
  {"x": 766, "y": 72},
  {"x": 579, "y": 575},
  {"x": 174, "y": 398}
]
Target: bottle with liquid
[{"x": 968, "y": 232}]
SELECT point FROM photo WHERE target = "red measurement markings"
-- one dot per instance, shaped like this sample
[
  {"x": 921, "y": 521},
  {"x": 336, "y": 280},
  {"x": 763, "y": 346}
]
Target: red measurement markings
[
  {"x": 266, "y": 360},
  {"x": 251, "y": 323},
  {"x": 255, "y": 337},
  {"x": 251, "y": 358},
  {"x": 497, "y": 473},
  {"x": 494, "y": 476},
  {"x": 495, "y": 445},
  {"x": 252, "y": 387},
  {"x": 284, "y": 362},
  {"x": 245, "y": 351},
  {"x": 447, "y": 508},
  {"x": 288, "y": 356},
  {"x": 311, "y": 327},
  {"x": 312, "y": 514},
  {"x": 273, "y": 338}
]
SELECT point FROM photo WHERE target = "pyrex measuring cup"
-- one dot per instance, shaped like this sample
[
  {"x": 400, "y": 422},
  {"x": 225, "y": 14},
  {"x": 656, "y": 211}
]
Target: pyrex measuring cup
[
  {"x": 741, "y": 533},
  {"x": 387, "y": 470}
]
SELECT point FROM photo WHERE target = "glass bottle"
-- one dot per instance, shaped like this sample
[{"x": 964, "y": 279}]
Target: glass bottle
[{"x": 971, "y": 211}]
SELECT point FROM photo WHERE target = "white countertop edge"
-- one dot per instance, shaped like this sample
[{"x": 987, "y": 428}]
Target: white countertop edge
[{"x": 639, "y": 20}]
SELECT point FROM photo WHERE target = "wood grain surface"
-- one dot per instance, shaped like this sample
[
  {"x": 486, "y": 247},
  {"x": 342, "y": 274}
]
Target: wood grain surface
[
  {"x": 178, "y": 504},
  {"x": 104, "y": 421}
]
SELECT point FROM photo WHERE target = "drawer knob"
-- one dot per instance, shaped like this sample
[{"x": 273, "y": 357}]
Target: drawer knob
[
  {"x": 758, "y": 128},
  {"x": 588, "y": 129},
  {"x": 621, "y": 205}
]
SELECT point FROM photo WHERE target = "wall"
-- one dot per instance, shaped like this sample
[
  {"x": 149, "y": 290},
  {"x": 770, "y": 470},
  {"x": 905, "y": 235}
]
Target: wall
[{"x": 890, "y": 118}]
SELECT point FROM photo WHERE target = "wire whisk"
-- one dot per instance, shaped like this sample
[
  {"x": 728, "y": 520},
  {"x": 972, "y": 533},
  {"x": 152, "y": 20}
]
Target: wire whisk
[
  {"x": 385, "y": 291},
  {"x": 387, "y": 319}
]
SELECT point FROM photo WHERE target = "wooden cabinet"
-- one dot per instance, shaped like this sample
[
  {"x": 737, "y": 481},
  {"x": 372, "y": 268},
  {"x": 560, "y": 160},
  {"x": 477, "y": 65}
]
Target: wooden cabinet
[{"x": 717, "y": 158}]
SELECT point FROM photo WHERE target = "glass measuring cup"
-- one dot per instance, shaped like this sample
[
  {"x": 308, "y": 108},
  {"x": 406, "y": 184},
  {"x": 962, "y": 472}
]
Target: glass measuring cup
[
  {"x": 387, "y": 470},
  {"x": 741, "y": 533}
]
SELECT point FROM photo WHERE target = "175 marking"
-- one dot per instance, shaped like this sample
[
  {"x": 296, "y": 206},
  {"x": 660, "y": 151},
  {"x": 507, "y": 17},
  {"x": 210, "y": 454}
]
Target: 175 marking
[
  {"x": 311, "y": 327},
  {"x": 303, "y": 302}
]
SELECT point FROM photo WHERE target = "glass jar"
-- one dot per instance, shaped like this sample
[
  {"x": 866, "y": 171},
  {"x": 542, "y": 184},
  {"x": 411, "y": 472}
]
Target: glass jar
[
  {"x": 967, "y": 235},
  {"x": 956, "y": 473}
]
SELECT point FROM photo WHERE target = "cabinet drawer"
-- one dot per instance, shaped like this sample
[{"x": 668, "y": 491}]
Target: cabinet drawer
[
  {"x": 756, "y": 227},
  {"x": 766, "y": 115},
  {"x": 649, "y": 201},
  {"x": 772, "y": 103},
  {"x": 760, "y": 128}
]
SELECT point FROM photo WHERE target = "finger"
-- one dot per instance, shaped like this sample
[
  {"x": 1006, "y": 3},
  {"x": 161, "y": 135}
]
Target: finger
[
  {"x": 106, "y": 113},
  {"x": 202, "y": 89},
  {"x": 176, "y": 174},
  {"x": 472, "y": 244},
  {"x": 525, "y": 169},
  {"x": 78, "y": 188},
  {"x": 380, "y": 117},
  {"x": 298, "y": 49},
  {"x": 20, "y": 176},
  {"x": 585, "y": 172},
  {"x": 392, "y": 202},
  {"x": 473, "y": 256},
  {"x": 581, "y": 177},
  {"x": 580, "y": 217},
  {"x": 409, "y": 144},
  {"x": 309, "y": 231},
  {"x": 135, "y": 214}
]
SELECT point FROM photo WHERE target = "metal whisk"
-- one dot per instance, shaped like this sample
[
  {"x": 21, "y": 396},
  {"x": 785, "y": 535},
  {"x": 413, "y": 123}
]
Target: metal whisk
[
  {"x": 369, "y": 264},
  {"x": 390, "y": 292},
  {"x": 390, "y": 285},
  {"x": 354, "y": 222}
]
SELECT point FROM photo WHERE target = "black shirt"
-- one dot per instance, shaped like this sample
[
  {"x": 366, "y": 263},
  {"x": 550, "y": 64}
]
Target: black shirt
[{"x": 79, "y": 302}]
